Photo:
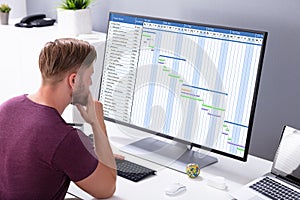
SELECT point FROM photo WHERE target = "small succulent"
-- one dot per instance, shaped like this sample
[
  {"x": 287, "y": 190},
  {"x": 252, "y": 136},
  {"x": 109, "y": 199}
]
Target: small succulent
[
  {"x": 75, "y": 4},
  {"x": 5, "y": 8}
]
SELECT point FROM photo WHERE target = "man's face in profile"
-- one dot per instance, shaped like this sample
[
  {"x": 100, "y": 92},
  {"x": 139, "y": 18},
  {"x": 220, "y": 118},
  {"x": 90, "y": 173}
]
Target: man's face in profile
[{"x": 82, "y": 83}]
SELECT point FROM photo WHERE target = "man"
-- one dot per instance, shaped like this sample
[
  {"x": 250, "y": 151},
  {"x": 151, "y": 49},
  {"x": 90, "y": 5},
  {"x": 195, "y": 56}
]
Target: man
[{"x": 40, "y": 153}]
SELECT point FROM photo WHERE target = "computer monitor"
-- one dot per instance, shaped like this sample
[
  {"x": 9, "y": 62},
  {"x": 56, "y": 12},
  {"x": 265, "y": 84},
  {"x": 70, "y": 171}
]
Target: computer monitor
[{"x": 192, "y": 83}]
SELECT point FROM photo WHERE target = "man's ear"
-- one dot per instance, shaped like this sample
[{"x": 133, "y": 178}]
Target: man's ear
[{"x": 72, "y": 79}]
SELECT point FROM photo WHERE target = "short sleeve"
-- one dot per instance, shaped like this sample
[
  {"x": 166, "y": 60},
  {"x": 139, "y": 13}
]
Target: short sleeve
[{"x": 75, "y": 156}]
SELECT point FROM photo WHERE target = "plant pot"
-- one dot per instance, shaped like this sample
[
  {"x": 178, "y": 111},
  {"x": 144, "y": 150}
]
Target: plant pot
[
  {"x": 74, "y": 22},
  {"x": 4, "y": 18}
]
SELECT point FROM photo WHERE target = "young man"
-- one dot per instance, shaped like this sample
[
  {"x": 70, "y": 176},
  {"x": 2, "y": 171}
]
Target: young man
[{"x": 40, "y": 153}]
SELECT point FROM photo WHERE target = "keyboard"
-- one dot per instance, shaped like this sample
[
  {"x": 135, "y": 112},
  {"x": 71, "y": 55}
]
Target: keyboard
[
  {"x": 274, "y": 189},
  {"x": 132, "y": 171}
]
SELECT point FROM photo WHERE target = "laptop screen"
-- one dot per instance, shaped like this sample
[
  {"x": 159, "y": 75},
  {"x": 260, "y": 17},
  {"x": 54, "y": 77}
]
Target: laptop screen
[{"x": 287, "y": 159}]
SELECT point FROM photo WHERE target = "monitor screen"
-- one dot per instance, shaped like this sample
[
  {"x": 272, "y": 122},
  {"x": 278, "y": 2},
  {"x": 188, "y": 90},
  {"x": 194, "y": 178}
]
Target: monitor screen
[{"x": 194, "y": 83}]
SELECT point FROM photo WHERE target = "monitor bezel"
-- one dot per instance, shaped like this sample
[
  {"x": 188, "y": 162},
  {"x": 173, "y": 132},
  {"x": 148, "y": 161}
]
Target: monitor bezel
[{"x": 255, "y": 93}]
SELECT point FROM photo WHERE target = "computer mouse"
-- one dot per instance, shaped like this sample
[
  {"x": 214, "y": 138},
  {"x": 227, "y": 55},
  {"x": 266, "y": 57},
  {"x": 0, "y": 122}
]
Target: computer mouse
[{"x": 175, "y": 189}]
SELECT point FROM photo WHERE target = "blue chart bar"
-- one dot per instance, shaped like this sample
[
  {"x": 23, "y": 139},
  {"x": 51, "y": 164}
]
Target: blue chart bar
[
  {"x": 175, "y": 58},
  {"x": 205, "y": 89},
  {"x": 236, "y": 144},
  {"x": 236, "y": 124}
]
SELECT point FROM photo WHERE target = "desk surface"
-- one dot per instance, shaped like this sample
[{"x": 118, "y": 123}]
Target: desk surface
[{"x": 236, "y": 173}]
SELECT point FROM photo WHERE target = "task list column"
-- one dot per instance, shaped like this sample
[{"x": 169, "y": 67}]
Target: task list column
[{"x": 119, "y": 69}]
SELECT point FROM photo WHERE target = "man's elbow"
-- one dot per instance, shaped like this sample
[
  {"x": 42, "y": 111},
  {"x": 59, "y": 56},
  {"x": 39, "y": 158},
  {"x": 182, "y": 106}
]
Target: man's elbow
[
  {"x": 108, "y": 189},
  {"x": 111, "y": 192},
  {"x": 101, "y": 183},
  {"x": 107, "y": 193}
]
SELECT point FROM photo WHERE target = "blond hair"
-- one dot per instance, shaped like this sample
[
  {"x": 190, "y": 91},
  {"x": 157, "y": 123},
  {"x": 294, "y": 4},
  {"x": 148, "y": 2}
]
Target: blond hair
[{"x": 64, "y": 55}]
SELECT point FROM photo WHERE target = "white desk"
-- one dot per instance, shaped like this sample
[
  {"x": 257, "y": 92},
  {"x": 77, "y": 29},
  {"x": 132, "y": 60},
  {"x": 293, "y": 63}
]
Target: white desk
[{"x": 237, "y": 173}]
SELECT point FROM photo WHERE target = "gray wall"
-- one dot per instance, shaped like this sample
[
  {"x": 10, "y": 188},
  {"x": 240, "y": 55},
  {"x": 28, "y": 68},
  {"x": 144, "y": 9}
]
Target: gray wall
[{"x": 278, "y": 102}]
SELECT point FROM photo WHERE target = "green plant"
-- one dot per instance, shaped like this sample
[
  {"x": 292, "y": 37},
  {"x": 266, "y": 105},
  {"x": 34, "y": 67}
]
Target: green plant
[
  {"x": 75, "y": 4},
  {"x": 5, "y": 8}
]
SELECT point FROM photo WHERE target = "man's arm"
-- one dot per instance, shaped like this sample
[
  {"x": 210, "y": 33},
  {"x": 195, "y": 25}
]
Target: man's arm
[{"x": 102, "y": 182}]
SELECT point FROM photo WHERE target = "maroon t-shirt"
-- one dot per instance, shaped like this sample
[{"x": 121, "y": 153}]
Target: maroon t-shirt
[{"x": 39, "y": 152}]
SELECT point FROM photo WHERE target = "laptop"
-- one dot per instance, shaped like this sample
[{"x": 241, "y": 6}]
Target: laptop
[{"x": 283, "y": 182}]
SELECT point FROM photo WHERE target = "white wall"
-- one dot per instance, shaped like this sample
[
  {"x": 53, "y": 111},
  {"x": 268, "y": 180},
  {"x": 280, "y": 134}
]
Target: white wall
[
  {"x": 279, "y": 92},
  {"x": 18, "y": 7}
]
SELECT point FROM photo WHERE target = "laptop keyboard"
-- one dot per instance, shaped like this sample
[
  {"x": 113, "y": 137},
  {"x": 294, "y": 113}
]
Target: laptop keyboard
[
  {"x": 275, "y": 190},
  {"x": 132, "y": 171}
]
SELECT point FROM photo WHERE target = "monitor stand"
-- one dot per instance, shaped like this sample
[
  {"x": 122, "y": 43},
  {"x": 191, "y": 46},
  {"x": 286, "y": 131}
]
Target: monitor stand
[{"x": 173, "y": 155}]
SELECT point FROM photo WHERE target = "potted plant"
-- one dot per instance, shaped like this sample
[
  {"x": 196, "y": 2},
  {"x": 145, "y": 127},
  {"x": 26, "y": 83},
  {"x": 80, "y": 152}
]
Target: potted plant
[
  {"x": 74, "y": 17},
  {"x": 4, "y": 13}
]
